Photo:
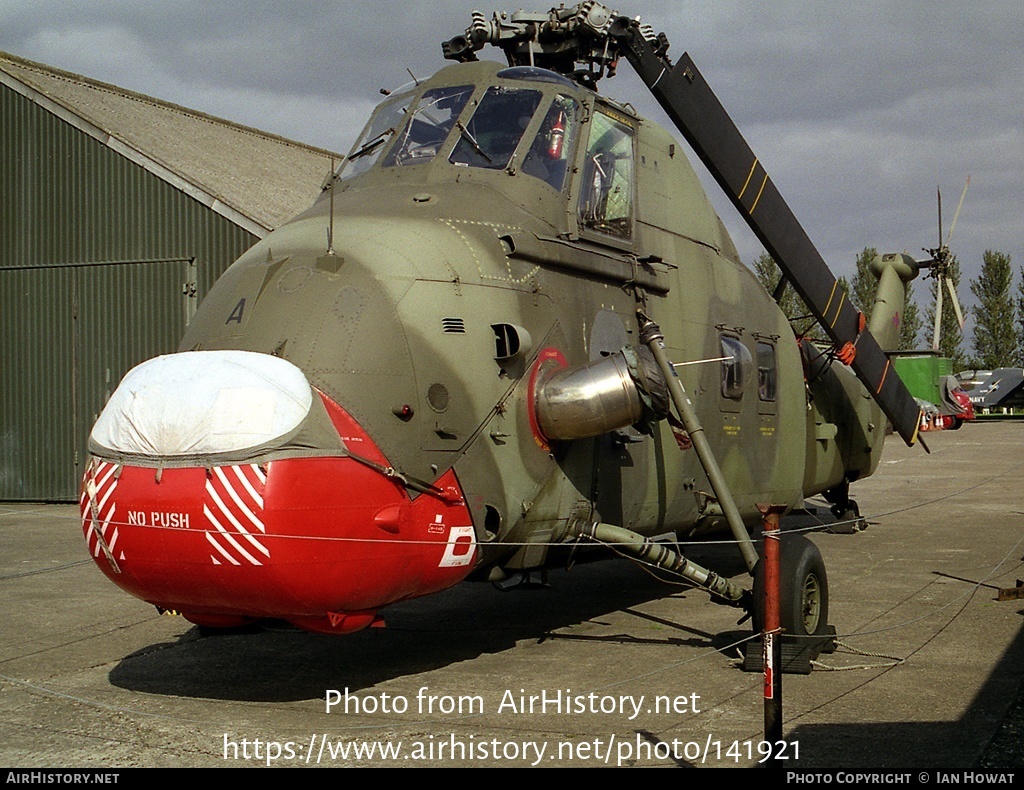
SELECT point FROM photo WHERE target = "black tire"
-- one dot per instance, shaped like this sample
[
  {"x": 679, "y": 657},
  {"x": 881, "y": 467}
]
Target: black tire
[
  {"x": 848, "y": 511},
  {"x": 957, "y": 424},
  {"x": 208, "y": 632},
  {"x": 803, "y": 597}
]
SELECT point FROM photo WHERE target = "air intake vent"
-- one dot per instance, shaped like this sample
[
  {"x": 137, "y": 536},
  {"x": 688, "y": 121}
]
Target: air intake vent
[{"x": 453, "y": 326}]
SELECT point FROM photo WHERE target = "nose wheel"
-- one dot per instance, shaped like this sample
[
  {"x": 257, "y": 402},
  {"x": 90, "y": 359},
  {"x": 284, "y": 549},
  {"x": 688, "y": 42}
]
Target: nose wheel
[
  {"x": 803, "y": 594},
  {"x": 803, "y": 608}
]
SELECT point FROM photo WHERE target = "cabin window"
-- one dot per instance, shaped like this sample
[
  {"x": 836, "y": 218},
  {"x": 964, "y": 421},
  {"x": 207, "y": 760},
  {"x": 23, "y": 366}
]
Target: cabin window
[
  {"x": 548, "y": 157},
  {"x": 428, "y": 125},
  {"x": 492, "y": 135},
  {"x": 767, "y": 377},
  {"x": 737, "y": 367},
  {"x": 606, "y": 197},
  {"x": 387, "y": 119}
]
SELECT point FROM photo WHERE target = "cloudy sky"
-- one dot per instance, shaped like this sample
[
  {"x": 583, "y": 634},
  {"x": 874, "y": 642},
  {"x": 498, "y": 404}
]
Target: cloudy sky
[{"x": 859, "y": 110}]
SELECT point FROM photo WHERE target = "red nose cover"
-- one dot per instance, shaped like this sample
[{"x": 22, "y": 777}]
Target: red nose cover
[{"x": 322, "y": 542}]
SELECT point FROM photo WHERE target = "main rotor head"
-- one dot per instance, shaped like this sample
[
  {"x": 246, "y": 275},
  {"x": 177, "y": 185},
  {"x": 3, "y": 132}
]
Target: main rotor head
[{"x": 579, "y": 42}]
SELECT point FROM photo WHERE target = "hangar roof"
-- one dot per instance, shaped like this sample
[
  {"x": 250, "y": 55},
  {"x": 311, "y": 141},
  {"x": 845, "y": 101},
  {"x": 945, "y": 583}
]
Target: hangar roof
[{"x": 256, "y": 179}]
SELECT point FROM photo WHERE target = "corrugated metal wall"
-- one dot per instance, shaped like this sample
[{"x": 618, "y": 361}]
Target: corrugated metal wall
[{"x": 94, "y": 252}]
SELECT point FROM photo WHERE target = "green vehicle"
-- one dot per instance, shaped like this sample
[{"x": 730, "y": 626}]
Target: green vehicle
[{"x": 929, "y": 378}]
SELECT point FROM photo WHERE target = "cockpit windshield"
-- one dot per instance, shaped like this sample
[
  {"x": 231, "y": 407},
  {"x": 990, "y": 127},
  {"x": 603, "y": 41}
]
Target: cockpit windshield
[
  {"x": 401, "y": 133},
  {"x": 428, "y": 125},
  {"x": 492, "y": 135},
  {"x": 548, "y": 158},
  {"x": 387, "y": 119}
]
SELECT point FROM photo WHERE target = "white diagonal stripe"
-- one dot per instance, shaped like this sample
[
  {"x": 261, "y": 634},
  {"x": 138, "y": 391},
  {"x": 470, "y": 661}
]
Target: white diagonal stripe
[
  {"x": 257, "y": 498},
  {"x": 105, "y": 517},
  {"x": 106, "y": 496},
  {"x": 223, "y": 553},
  {"x": 229, "y": 538},
  {"x": 238, "y": 500},
  {"x": 113, "y": 538},
  {"x": 100, "y": 529},
  {"x": 225, "y": 510},
  {"x": 231, "y": 517},
  {"x": 106, "y": 476}
]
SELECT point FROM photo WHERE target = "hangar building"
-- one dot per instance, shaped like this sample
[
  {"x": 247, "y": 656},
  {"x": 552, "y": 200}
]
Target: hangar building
[{"x": 118, "y": 211}]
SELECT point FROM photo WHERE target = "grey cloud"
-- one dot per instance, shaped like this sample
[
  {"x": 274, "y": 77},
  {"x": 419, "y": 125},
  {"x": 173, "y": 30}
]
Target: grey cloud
[{"x": 858, "y": 109}]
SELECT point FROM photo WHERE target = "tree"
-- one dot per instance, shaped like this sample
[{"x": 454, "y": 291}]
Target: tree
[
  {"x": 950, "y": 334},
  {"x": 1020, "y": 320},
  {"x": 864, "y": 284},
  {"x": 911, "y": 326},
  {"x": 995, "y": 321},
  {"x": 769, "y": 273}
]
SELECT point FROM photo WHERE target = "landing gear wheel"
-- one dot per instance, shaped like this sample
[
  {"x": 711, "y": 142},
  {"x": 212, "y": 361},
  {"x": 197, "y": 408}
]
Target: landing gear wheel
[
  {"x": 848, "y": 519},
  {"x": 846, "y": 511},
  {"x": 803, "y": 597}
]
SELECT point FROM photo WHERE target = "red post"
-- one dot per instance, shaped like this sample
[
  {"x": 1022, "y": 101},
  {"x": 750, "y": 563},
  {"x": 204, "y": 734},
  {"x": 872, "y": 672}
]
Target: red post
[{"x": 772, "y": 636}]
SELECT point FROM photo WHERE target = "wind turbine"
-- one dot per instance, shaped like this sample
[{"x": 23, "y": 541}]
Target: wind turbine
[{"x": 940, "y": 265}]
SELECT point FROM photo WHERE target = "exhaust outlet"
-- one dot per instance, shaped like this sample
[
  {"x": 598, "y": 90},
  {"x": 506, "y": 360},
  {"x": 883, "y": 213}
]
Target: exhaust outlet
[{"x": 610, "y": 393}]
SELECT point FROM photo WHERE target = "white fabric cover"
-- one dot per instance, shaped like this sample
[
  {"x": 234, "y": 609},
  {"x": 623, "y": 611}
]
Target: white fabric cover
[{"x": 203, "y": 403}]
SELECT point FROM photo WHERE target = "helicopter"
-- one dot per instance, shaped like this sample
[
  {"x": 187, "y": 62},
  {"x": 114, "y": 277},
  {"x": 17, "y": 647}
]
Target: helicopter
[{"x": 511, "y": 327}]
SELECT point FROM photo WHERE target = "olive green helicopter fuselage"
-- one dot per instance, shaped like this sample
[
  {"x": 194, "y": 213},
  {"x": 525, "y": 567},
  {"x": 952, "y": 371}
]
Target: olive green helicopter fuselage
[
  {"x": 475, "y": 302},
  {"x": 401, "y": 288}
]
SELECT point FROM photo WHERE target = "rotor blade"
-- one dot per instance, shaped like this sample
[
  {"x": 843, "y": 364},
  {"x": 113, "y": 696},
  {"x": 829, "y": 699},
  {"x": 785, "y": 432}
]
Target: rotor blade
[
  {"x": 956, "y": 301},
  {"x": 938, "y": 315},
  {"x": 955, "y": 217},
  {"x": 700, "y": 117},
  {"x": 938, "y": 199}
]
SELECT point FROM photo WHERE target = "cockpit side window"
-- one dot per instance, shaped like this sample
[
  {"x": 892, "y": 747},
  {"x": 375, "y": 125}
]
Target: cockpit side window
[
  {"x": 429, "y": 124},
  {"x": 385, "y": 122},
  {"x": 606, "y": 195},
  {"x": 492, "y": 135},
  {"x": 548, "y": 157}
]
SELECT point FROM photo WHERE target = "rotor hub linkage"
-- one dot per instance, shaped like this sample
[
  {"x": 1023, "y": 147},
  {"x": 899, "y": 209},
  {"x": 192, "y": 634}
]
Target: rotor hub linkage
[{"x": 580, "y": 42}]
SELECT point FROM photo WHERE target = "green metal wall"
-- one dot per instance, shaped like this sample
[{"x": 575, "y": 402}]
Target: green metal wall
[{"x": 94, "y": 253}]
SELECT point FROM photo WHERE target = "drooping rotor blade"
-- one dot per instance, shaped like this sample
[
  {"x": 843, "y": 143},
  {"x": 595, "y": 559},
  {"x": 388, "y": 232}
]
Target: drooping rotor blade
[
  {"x": 956, "y": 302},
  {"x": 693, "y": 107}
]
